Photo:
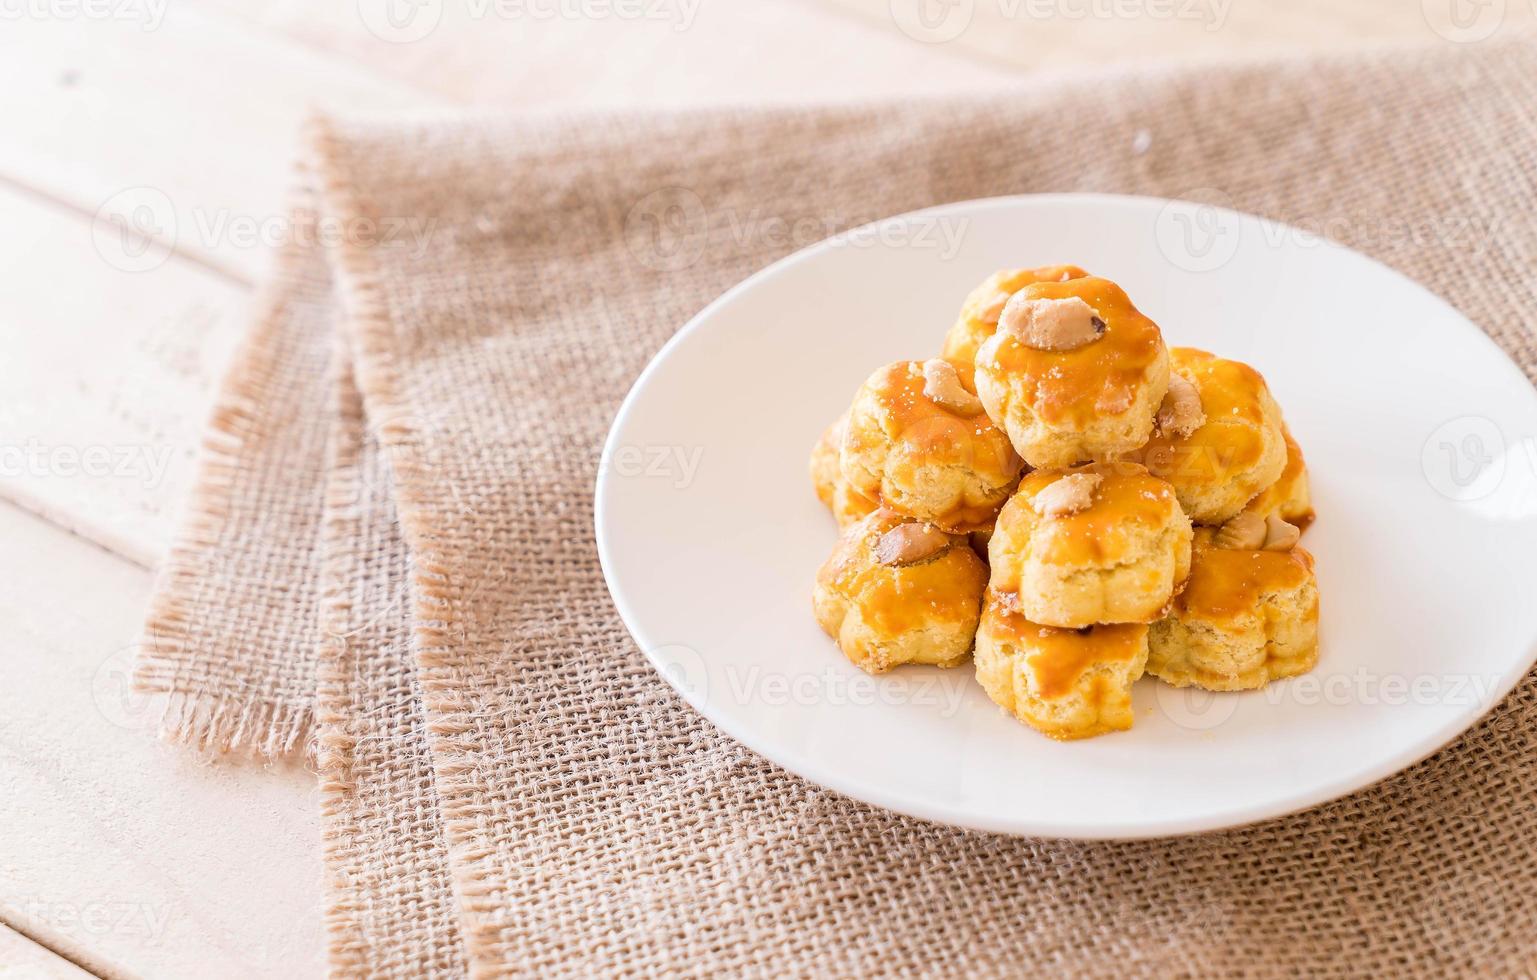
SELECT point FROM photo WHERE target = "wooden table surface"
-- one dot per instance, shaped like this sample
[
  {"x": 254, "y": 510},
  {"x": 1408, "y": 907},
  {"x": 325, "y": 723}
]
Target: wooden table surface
[{"x": 124, "y": 856}]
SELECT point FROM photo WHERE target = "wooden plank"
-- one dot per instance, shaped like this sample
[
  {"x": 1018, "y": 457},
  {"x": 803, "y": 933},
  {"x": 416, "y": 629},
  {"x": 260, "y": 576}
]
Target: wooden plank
[
  {"x": 106, "y": 376},
  {"x": 111, "y": 342},
  {"x": 119, "y": 848},
  {"x": 121, "y": 364},
  {"x": 1085, "y": 35},
  {"x": 199, "y": 114},
  {"x": 22, "y": 959},
  {"x": 586, "y": 53}
]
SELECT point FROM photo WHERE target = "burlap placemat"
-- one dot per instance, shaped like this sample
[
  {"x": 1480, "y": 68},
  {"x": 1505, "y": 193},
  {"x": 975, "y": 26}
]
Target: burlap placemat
[{"x": 508, "y": 786}]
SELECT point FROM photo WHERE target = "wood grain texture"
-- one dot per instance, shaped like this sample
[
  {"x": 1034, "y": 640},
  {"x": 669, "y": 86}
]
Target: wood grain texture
[
  {"x": 1091, "y": 35},
  {"x": 674, "y": 53},
  {"x": 185, "y": 132},
  {"x": 201, "y": 113},
  {"x": 106, "y": 376},
  {"x": 117, "y": 846},
  {"x": 135, "y": 220}
]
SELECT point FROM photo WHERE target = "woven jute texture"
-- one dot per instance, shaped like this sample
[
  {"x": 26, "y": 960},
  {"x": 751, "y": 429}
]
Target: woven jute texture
[
  {"x": 386, "y": 857},
  {"x": 508, "y": 786}
]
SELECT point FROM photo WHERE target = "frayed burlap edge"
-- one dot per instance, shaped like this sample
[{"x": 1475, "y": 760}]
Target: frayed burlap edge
[
  {"x": 334, "y": 741},
  {"x": 367, "y": 326},
  {"x": 252, "y": 723}
]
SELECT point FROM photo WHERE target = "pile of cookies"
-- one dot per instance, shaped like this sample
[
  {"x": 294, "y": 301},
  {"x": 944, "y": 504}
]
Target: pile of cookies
[{"x": 1069, "y": 503}]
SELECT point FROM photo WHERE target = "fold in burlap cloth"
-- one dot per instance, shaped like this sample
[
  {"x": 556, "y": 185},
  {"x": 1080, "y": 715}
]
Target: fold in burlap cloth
[{"x": 507, "y": 785}]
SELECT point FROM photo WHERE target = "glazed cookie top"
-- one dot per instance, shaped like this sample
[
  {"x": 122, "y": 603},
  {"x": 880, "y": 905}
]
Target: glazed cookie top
[
  {"x": 904, "y": 397},
  {"x": 1235, "y": 410},
  {"x": 1094, "y": 514},
  {"x": 1226, "y": 584},
  {"x": 926, "y": 413},
  {"x": 1101, "y": 376},
  {"x": 1057, "y": 658},
  {"x": 980, "y": 312},
  {"x": 905, "y": 574}
]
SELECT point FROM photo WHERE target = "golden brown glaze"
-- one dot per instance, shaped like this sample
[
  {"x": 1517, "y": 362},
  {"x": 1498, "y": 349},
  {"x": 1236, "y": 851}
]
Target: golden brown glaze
[
  {"x": 1073, "y": 387},
  {"x": 900, "y": 389},
  {"x": 1295, "y": 465},
  {"x": 1230, "y": 391},
  {"x": 972, "y": 327},
  {"x": 1057, "y": 658},
  {"x": 824, "y": 462},
  {"x": 926, "y": 434},
  {"x": 1227, "y": 584},
  {"x": 901, "y": 598},
  {"x": 1288, "y": 496},
  {"x": 846, "y": 504},
  {"x": 1127, "y": 502}
]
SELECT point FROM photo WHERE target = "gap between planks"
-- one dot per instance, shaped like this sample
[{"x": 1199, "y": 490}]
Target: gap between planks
[{"x": 34, "y": 959}]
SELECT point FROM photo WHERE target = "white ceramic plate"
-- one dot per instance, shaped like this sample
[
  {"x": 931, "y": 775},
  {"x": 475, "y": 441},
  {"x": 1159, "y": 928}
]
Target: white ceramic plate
[{"x": 1420, "y": 435}]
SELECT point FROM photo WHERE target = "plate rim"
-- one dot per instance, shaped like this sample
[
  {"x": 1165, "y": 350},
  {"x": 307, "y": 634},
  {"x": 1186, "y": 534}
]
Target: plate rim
[{"x": 1212, "y": 821}]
